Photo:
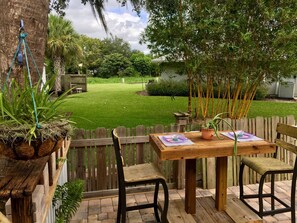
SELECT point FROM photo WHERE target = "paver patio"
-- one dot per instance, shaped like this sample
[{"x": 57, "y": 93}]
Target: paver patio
[{"x": 103, "y": 209}]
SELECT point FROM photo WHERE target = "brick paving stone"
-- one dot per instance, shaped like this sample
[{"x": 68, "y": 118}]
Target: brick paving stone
[
  {"x": 146, "y": 211},
  {"x": 131, "y": 200},
  {"x": 75, "y": 221},
  {"x": 107, "y": 209},
  {"x": 84, "y": 205},
  {"x": 108, "y": 221},
  {"x": 134, "y": 217},
  {"x": 95, "y": 202},
  {"x": 94, "y": 210},
  {"x": 80, "y": 215},
  {"x": 135, "y": 220},
  {"x": 112, "y": 215},
  {"x": 148, "y": 217},
  {"x": 114, "y": 201},
  {"x": 93, "y": 221},
  {"x": 102, "y": 216},
  {"x": 161, "y": 195},
  {"x": 140, "y": 198},
  {"x": 149, "y": 197},
  {"x": 92, "y": 217},
  {"x": 106, "y": 202},
  {"x": 103, "y": 210}
]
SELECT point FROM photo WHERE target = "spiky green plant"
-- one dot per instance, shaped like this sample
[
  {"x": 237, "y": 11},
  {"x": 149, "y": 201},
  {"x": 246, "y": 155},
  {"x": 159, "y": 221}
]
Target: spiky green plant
[
  {"x": 214, "y": 124},
  {"x": 18, "y": 117},
  {"x": 67, "y": 199}
]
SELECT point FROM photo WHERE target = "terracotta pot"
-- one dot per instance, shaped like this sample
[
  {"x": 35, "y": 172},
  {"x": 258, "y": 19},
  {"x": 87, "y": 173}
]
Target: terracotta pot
[{"x": 207, "y": 133}]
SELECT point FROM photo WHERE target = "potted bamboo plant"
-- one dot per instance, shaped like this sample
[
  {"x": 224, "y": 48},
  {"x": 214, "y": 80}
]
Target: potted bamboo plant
[
  {"x": 211, "y": 128},
  {"x": 31, "y": 129}
]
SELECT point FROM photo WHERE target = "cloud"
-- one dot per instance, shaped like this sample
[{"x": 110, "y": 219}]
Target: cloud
[{"x": 122, "y": 22}]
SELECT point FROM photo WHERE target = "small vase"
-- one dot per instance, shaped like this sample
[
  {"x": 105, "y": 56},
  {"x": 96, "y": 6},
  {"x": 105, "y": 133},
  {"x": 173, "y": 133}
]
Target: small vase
[{"x": 207, "y": 133}]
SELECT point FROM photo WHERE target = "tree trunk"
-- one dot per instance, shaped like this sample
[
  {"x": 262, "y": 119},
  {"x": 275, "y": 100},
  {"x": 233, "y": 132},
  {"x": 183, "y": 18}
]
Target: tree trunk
[
  {"x": 58, "y": 69},
  {"x": 35, "y": 16}
]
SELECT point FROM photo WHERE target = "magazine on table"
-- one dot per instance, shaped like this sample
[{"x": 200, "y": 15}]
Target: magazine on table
[
  {"x": 175, "y": 140},
  {"x": 242, "y": 136}
]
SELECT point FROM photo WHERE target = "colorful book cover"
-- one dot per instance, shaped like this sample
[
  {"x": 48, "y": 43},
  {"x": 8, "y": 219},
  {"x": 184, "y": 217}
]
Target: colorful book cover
[{"x": 175, "y": 140}]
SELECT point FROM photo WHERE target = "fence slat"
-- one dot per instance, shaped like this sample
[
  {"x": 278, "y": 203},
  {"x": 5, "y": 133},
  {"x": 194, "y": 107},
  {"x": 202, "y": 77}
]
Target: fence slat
[{"x": 91, "y": 157}]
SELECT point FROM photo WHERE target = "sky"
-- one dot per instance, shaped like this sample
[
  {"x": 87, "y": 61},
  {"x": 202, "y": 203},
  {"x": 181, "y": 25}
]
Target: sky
[{"x": 122, "y": 22}]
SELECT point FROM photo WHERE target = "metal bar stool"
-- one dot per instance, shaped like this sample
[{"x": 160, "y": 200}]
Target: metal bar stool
[{"x": 272, "y": 166}]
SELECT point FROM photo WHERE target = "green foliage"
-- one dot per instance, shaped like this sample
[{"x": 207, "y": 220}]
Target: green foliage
[
  {"x": 143, "y": 64},
  {"x": 230, "y": 44},
  {"x": 128, "y": 80},
  {"x": 113, "y": 65},
  {"x": 92, "y": 52},
  {"x": 174, "y": 88},
  {"x": 67, "y": 199},
  {"x": 62, "y": 47},
  {"x": 129, "y": 72},
  {"x": 214, "y": 124},
  {"x": 63, "y": 41},
  {"x": 17, "y": 112},
  {"x": 168, "y": 88},
  {"x": 115, "y": 45},
  {"x": 261, "y": 92}
]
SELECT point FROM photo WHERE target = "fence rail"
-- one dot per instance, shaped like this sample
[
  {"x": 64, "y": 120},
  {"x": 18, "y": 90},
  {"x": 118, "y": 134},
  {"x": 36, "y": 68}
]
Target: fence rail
[{"x": 91, "y": 156}]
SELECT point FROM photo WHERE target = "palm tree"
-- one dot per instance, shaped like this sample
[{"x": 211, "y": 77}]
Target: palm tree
[
  {"x": 62, "y": 45},
  {"x": 35, "y": 15}
]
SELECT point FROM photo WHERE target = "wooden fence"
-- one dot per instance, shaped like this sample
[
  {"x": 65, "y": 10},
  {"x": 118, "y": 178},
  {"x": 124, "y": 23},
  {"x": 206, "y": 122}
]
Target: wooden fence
[{"x": 91, "y": 156}]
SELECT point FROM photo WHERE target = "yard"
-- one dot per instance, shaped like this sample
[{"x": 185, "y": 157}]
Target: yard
[{"x": 116, "y": 104}]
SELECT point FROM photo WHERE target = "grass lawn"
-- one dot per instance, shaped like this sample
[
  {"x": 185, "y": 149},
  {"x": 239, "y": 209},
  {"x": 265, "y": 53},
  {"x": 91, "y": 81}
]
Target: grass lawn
[
  {"x": 112, "y": 105},
  {"x": 116, "y": 104}
]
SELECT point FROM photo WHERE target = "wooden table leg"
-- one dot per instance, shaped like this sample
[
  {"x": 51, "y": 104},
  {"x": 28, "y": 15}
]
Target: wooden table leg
[
  {"x": 190, "y": 189},
  {"x": 221, "y": 183}
]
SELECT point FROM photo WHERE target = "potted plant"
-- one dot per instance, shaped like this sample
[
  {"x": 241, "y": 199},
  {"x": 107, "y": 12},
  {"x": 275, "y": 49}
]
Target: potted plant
[
  {"x": 210, "y": 128},
  {"x": 30, "y": 124}
]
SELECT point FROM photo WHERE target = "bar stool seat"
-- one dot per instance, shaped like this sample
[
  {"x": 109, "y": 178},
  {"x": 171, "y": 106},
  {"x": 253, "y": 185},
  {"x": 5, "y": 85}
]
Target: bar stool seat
[
  {"x": 263, "y": 165},
  {"x": 142, "y": 172}
]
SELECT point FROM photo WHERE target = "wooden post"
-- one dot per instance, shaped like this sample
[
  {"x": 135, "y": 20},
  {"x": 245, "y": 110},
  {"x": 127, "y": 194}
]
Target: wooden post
[
  {"x": 182, "y": 119},
  {"x": 21, "y": 210}
]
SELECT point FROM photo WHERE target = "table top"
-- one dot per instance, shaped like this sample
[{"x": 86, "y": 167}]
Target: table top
[{"x": 207, "y": 148}]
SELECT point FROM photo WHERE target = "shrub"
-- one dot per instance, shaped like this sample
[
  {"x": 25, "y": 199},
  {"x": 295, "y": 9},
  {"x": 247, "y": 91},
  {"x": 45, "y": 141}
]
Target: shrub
[
  {"x": 261, "y": 93},
  {"x": 167, "y": 88},
  {"x": 129, "y": 72},
  {"x": 174, "y": 88}
]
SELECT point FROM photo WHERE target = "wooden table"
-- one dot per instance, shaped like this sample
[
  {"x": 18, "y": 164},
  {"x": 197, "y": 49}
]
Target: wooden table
[{"x": 219, "y": 148}]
